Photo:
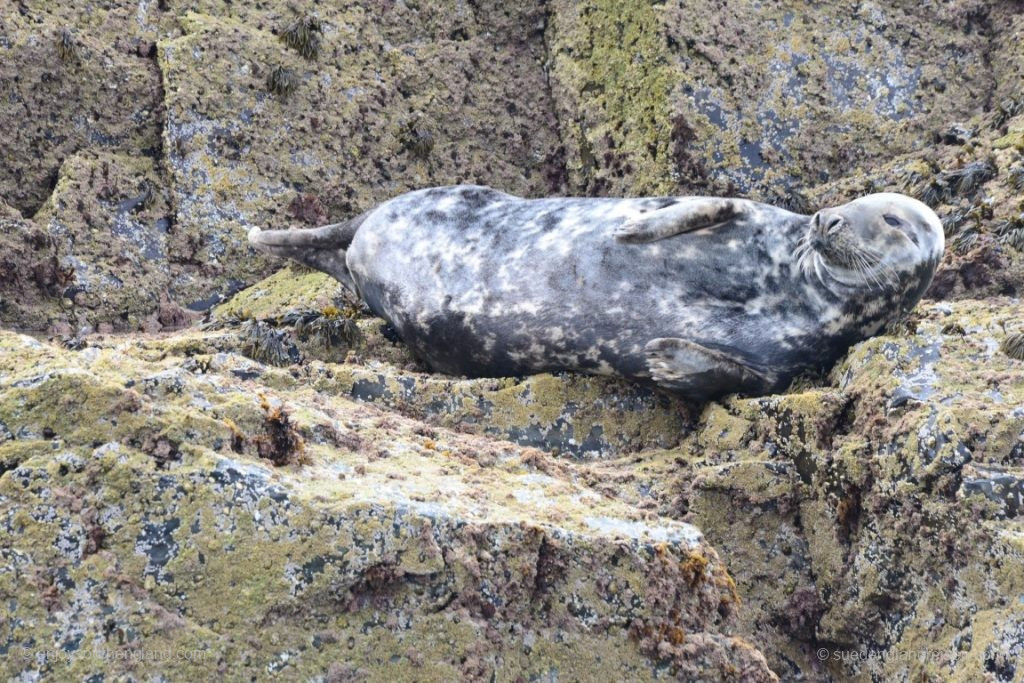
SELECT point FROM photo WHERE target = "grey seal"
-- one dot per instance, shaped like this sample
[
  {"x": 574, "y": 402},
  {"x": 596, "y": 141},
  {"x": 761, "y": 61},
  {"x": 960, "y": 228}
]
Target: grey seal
[{"x": 703, "y": 296}]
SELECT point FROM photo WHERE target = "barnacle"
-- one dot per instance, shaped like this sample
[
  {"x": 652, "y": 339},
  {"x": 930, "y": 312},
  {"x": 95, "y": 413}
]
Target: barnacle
[
  {"x": 282, "y": 81},
  {"x": 304, "y": 35}
]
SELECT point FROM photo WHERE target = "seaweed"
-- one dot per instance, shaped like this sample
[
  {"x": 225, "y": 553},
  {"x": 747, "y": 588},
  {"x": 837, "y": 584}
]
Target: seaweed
[
  {"x": 1016, "y": 178},
  {"x": 795, "y": 201},
  {"x": 282, "y": 81},
  {"x": 1006, "y": 110},
  {"x": 264, "y": 344},
  {"x": 1013, "y": 346},
  {"x": 961, "y": 182},
  {"x": 904, "y": 326},
  {"x": 327, "y": 331},
  {"x": 932, "y": 192},
  {"x": 67, "y": 47},
  {"x": 281, "y": 443},
  {"x": 1011, "y": 232},
  {"x": 965, "y": 240},
  {"x": 304, "y": 35},
  {"x": 966, "y": 181},
  {"x": 956, "y": 134},
  {"x": 416, "y": 140},
  {"x": 953, "y": 221}
]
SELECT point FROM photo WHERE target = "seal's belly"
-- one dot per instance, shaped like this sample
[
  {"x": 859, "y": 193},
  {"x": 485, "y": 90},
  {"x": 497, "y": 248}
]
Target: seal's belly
[
  {"x": 481, "y": 283},
  {"x": 503, "y": 290}
]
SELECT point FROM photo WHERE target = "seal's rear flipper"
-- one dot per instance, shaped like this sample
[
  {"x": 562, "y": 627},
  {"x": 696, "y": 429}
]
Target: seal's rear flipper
[
  {"x": 322, "y": 248},
  {"x": 700, "y": 372},
  {"x": 686, "y": 215}
]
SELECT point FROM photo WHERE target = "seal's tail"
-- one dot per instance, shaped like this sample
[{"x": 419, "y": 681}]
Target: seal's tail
[{"x": 322, "y": 248}]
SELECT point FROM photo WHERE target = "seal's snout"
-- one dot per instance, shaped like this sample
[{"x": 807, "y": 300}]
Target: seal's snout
[
  {"x": 824, "y": 226},
  {"x": 826, "y": 223}
]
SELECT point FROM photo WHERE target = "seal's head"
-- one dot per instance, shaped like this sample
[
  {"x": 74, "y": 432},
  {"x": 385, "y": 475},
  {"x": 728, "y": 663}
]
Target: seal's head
[{"x": 886, "y": 240}]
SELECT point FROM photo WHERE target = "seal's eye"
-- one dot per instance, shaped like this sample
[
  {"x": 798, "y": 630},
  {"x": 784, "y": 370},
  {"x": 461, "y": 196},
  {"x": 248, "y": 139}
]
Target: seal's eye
[{"x": 893, "y": 221}]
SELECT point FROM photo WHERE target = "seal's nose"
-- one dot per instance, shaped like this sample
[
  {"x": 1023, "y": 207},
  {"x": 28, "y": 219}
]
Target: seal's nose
[{"x": 824, "y": 224}]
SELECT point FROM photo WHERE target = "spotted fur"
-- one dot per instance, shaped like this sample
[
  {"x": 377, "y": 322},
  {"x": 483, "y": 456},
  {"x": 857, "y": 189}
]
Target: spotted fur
[{"x": 703, "y": 296}]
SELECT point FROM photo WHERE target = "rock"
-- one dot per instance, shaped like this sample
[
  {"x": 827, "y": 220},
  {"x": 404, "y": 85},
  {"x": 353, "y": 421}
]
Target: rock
[
  {"x": 754, "y": 98},
  {"x": 876, "y": 516},
  {"x": 111, "y": 220},
  {"x": 594, "y": 98},
  {"x": 282, "y": 489},
  {"x": 32, "y": 275},
  {"x": 343, "y": 142},
  {"x": 141, "y": 518},
  {"x": 51, "y": 108}
]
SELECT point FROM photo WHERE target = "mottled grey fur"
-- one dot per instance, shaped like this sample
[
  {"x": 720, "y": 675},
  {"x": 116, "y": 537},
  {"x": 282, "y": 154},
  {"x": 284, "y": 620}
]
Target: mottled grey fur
[{"x": 703, "y": 296}]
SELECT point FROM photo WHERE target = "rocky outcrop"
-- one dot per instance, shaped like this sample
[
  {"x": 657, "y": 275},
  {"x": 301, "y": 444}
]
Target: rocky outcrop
[
  {"x": 872, "y": 516},
  {"x": 281, "y": 489},
  {"x": 762, "y": 98},
  {"x": 226, "y": 117},
  {"x": 159, "y": 498},
  {"x": 877, "y": 515}
]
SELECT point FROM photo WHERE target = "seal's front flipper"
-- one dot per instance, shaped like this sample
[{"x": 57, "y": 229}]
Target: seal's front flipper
[
  {"x": 700, "y": 372},
  {"x": 322, "y": 248},
  {"x": 686, "y": 215}
]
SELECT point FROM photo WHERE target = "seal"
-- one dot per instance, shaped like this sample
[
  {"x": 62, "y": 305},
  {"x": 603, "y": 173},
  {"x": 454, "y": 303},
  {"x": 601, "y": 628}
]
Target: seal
[{"x": 703, "y": 296}]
